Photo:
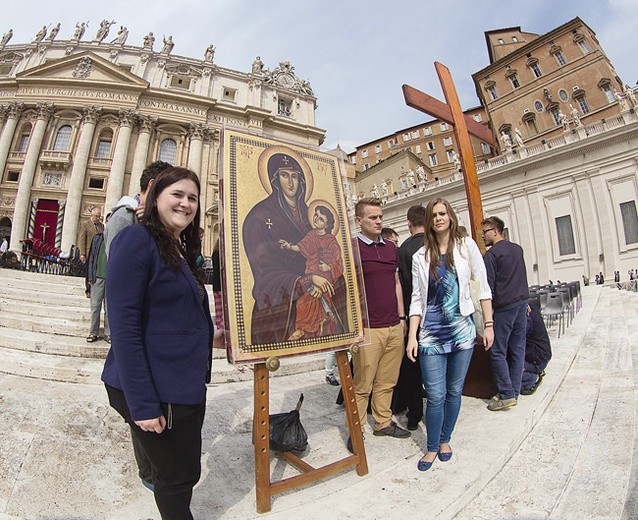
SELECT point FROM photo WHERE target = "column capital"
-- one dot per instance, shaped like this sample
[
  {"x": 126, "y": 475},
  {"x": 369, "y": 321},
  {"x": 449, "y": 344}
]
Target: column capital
[
  {"x": 198, "y": 131},
  {"x": 126, "y": 117},
  {"x": 44, "y": 110},
  {"x": 91, "y": 114},
  {"x": 147, "y": 123},
  {"x": 15, "y": 109}
]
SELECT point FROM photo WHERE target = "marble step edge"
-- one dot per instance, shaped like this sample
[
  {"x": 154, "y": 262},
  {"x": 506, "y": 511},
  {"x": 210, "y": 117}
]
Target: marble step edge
[
  {"x": 583, "y": 321},
  {"x": 87, "y": 370}
]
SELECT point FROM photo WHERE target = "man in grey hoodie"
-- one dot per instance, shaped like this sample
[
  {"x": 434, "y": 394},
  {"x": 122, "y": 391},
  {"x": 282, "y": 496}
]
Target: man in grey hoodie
[
  {"x": 129, "y": 209},
  {"x": 125, "y": 213}
]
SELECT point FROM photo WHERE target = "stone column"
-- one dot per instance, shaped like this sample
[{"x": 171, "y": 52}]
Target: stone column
[
  {"x": 13, "y": 113},
  {"x": 147, "y": 127},
  {"x": 196, "y": 132},
  {"x": 76, "y": 181},
  {"x": 21, "y": 211},
  {"x": 116, "y": 177}
]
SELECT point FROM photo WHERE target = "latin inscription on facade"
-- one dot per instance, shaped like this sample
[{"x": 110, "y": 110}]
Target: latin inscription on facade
[
  {"x": 76, "y": 93},
  {"x": 171, "y": 107}
]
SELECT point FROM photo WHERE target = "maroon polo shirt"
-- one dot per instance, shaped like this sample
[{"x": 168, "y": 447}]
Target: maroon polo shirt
[{"x": 379, "y": 261}]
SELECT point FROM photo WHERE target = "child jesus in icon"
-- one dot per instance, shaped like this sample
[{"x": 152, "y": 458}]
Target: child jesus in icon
[{"x": 316, "y": 314}]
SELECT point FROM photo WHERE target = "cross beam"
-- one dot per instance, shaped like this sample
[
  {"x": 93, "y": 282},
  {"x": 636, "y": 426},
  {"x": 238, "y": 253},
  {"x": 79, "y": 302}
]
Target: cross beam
[
  {"x": 430, "y": 105},
  {"x": 452, "y": 113}
]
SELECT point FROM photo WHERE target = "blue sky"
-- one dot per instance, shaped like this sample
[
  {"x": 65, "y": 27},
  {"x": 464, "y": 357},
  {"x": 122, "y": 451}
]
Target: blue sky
[{"x": 356, "y": 54}]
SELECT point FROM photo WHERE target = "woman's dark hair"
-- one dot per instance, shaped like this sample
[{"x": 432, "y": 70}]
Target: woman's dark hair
[
  {"x": 431, "y": 241},
  {"x": 189, "y": 244}
]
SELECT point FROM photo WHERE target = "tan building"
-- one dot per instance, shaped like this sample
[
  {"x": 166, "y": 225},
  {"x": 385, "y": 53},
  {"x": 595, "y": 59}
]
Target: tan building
[
  {"x": 544, "y": 85},
  {"x": 568, "y": 193},
  {"x": 79, "y": 120},
  {"x": 432, "y": 142}
]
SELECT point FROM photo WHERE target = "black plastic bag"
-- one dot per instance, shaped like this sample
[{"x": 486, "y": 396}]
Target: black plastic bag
[{"x": 286, "y": 431}]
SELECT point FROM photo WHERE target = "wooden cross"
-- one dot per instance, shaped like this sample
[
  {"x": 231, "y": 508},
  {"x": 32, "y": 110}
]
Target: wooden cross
[{"x": 452, "y": 113}]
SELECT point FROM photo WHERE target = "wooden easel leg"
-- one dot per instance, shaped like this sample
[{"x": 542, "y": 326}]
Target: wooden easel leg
[
  {"x": 261, "y": 437},
  {"x": 352, "y": 415}
]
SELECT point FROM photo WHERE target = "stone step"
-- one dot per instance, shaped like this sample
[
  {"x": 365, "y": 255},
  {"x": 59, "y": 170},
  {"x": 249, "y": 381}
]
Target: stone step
[
  {"x": 63, "y": 284},
  {"x": 80, "y": 311},
  {"x": 27, "y": 276},
  {"x": 69, "y": 368},
  {"x": 566, "y": 450},
  {"x": 56, "y": 344},
  {"x": 630, "y": 308},
  {"x": 47, "y": 298},
  {"x": 63, "y": 326}
]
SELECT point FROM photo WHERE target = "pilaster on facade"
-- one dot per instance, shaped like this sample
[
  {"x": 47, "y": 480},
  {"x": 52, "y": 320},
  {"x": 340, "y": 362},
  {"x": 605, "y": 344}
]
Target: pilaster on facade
[{"x": 44, "y": 110}]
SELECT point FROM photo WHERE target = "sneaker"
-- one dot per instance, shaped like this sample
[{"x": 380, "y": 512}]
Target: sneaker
[
  {"x": 502, "y": 404},
  {"x": 332, "y": 380},
  {"x": 107, "y": 339},
  {"x": 534, "y": 387},
  {"x": 394, "y": 430},
  {"x": 412, "y": 426}
]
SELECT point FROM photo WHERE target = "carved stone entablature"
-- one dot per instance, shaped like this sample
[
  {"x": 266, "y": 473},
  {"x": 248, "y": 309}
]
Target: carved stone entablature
[
  {"x": 109, "y": 120},
  {"x": 207, "y": 72},
  {"x": 198, "y": 131},
  {"x": 113, "y": 54},
  {"x": 45, "y": 110},
  {"x": 91, "y": 114},
  {"x": 69, "y": 50},
  {"x": 83, "y": 68},
  {"x": 145, "y": 57},
  {"x": 15, "y": 109},
  {"x": 52, "y": 179},
  {"x": 284, "y": 77},
  {"x": 147, "y": 123},
  {"x": 184, "y": 70},
  {"x": 126, "y": 117},
  {"x": 254, "y": 83},
  {"x": 161, "y": 64},
  {"x": 11, "y": 57},
  {"x": 7, "y": 202}
]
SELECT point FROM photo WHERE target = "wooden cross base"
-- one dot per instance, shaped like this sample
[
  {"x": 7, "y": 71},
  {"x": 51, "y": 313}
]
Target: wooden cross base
[{"x": 261, "y": 439}]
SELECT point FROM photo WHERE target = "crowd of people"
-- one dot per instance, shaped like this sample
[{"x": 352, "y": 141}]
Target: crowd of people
[{"x": 147, "y": 264}]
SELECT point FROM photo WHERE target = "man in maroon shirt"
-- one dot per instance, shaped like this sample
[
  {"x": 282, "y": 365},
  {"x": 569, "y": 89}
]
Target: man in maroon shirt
[{"x": 376, "y": 366}]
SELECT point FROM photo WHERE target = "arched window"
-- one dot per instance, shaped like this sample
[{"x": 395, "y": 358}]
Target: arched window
[
  {"x": 103, "y": 150},
  {"x": 63, "y": 139},
  {"x": 168, "y": 151},
  {"x": 23, "y": 140}
]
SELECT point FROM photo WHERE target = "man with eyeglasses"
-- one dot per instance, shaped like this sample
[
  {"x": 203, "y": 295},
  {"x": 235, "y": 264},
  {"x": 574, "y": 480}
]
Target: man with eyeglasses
[{"x": 507, "y": 277}]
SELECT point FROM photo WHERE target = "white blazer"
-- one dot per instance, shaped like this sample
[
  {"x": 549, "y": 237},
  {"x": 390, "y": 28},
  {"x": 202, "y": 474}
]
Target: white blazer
[{"x": 468, "y": 263}]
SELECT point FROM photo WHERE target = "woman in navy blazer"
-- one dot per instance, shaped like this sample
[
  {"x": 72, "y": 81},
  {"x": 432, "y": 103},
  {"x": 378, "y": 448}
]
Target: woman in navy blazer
[{"x": 161, "y": 330}]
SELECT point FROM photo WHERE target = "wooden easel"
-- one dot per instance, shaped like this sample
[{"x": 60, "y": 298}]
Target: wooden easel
[{"x": 265, "y": 487}]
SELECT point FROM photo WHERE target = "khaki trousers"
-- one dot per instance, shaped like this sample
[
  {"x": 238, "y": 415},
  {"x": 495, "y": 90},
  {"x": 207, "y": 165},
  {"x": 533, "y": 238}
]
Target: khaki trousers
[{"x": 376, "y": 370}]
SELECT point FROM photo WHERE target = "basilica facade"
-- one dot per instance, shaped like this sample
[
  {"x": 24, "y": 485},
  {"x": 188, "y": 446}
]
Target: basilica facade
[{"x": 80, "y": 119}]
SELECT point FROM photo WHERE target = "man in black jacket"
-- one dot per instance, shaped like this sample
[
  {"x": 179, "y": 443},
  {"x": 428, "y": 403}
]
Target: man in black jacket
[
  {"x": 408, "y": 392},
  {"x": 538, "y": 351}
]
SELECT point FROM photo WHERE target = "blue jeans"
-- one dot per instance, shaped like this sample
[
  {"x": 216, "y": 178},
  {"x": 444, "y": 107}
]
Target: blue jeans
[
  {"x": 508, "y": 350},
  {"x": 443, "y": 378}
]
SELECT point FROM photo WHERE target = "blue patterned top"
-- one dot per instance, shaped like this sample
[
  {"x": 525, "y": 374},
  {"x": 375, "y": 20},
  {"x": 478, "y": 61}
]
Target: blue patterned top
[{"x": 445, "y": 329}]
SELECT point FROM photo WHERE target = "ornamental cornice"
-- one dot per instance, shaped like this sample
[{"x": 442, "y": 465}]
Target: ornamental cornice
[
  {"x": 147, "y": 123},
  {"x": 91, "y": 114},
  {"x": 44, "y": 110},
  {"x": 15, "y": 109},
  {"x": 198, "y": 131},
  {"x": 126, "y": 117}
]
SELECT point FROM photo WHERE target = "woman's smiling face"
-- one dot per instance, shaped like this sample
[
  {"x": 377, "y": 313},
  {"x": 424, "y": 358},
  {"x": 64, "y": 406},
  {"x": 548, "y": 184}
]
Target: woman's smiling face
[{"x": 177, "y": 205}]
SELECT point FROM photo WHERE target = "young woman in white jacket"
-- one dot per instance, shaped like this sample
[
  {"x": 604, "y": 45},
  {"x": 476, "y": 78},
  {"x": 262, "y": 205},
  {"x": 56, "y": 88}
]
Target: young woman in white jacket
[{"x": 442, "y": 331}]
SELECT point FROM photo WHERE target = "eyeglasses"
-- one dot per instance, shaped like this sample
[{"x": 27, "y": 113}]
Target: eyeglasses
[{"x": 485, "y": 231}]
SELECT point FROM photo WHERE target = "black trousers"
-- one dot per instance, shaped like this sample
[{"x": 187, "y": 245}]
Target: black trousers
[
  {"x": 174, "y": 454},
  {"x": 408, "y": 392}
]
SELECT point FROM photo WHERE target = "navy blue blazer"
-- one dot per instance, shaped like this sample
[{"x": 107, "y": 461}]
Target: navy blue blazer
[{"x": 161, "y": 332}]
